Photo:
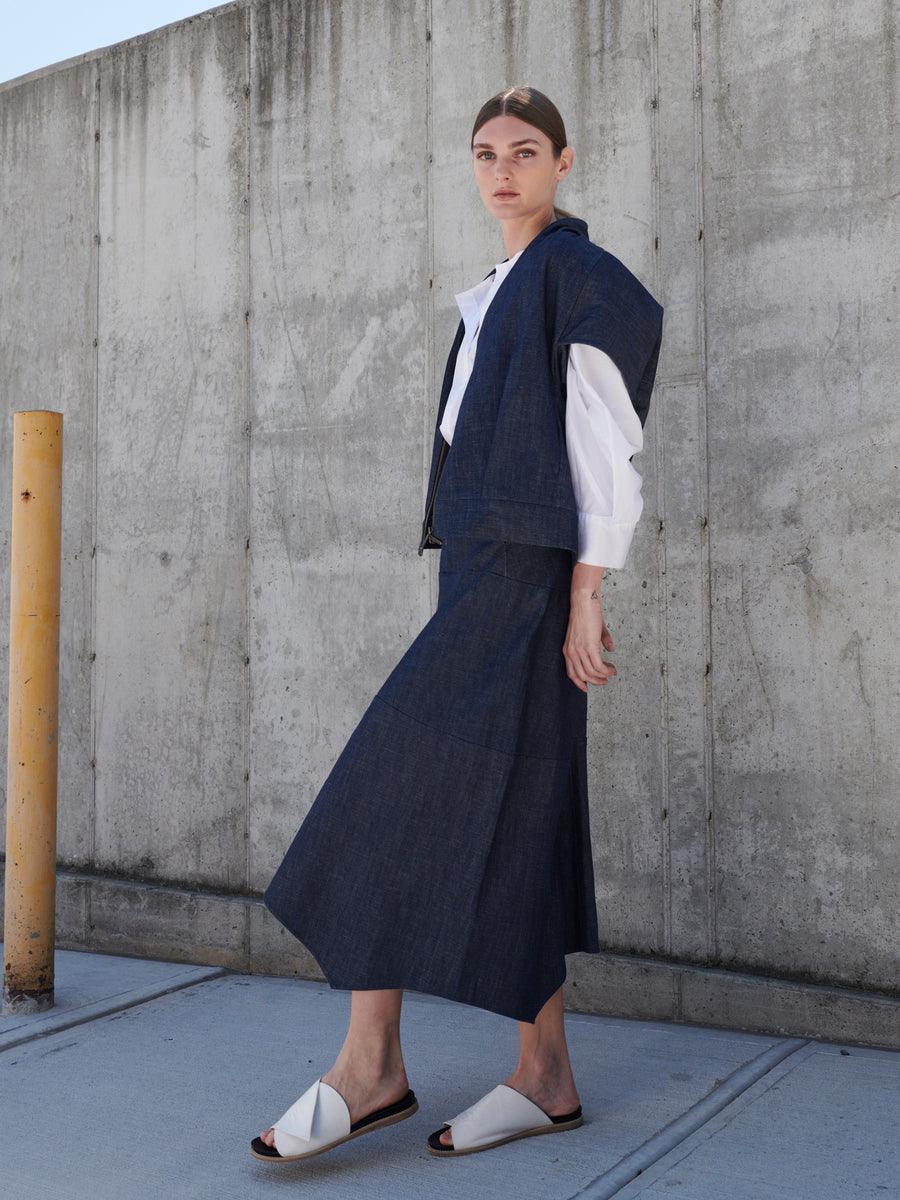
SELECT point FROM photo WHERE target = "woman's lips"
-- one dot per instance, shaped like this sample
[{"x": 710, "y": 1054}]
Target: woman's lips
[{"x": 505, "y": 194}]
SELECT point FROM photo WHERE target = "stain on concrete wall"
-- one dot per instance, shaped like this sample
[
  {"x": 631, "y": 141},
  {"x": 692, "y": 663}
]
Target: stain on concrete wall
[{"x": 228, "y": 252}]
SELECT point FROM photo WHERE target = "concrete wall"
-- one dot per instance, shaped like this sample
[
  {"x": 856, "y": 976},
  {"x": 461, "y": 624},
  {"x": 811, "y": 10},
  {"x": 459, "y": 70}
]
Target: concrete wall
[{"x": 228, "y": 253}]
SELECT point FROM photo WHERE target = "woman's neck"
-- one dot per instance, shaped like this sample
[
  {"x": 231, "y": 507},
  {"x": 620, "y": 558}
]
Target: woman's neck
[{"x": 518, "y": 233}]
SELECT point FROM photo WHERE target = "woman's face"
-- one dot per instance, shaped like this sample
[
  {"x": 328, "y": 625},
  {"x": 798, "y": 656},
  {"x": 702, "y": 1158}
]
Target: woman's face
[{"x": 515, "y": 168}]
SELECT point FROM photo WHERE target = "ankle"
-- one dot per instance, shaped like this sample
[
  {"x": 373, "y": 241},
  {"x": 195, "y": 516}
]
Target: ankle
[
  {"x": 547, "y": 1079},
  {"x": 371, "y": 1060},
  {"x": 544, "y": 1061}
]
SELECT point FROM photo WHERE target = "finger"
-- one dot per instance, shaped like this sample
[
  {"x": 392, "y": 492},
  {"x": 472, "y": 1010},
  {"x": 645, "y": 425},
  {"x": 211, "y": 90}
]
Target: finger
[
  {"x": 593, "y": 663},
  {"x": 582, "y": 670},
  {"x": 574, "y": 667},
  {"x": 597, "y": 679},
  {"x": 576, "y": 678}
]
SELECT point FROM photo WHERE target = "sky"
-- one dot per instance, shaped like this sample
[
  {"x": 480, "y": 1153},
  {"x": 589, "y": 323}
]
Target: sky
[{"x": 36, "y": 33}]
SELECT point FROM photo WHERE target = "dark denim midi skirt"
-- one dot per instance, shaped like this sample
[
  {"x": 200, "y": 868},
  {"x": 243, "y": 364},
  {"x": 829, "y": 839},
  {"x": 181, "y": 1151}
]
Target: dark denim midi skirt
[{"x": 449, "y": 850}]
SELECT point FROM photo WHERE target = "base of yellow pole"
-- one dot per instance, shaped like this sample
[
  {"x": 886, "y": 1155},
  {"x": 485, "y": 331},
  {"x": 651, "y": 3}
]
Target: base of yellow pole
[{"x": 23, "y": 1004}]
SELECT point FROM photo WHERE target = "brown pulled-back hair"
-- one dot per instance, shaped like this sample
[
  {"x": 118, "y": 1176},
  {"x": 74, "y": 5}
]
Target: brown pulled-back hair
[{"x": 533, "y": 107}]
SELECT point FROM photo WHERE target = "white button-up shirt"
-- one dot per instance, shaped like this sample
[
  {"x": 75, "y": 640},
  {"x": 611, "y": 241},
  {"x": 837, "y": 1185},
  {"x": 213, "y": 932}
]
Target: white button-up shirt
[{"x": 602, "y": 432}]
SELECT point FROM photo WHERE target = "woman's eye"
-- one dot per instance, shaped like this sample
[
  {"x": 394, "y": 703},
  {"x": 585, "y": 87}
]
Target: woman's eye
[
  {"x": 527, "y": 154},
  {"x": 484, "y": 155}
]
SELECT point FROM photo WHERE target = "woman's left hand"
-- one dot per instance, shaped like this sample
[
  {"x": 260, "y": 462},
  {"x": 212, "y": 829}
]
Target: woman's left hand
[{"x": 587, "y": 636}]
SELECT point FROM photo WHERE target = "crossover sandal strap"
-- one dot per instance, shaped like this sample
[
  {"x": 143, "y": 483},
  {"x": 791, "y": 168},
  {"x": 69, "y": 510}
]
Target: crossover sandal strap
[
  {"x": 502, "y": 1113},
  {"x": 318, "y": 1118}
]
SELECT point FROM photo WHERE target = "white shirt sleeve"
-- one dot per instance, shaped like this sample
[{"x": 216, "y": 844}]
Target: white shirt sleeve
[{"x": 602, "y": 433}]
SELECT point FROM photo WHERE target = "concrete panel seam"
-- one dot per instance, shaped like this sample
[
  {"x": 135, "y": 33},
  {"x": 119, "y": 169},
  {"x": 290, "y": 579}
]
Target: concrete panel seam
[
  {"x": 106, "y": 1008},
  {"x": 654, "y": 138},
  {"x": 712, "y": 931},
  {"x": 664, "y": 803},
  {"x": 96, "y": 254},
  {"x": 611, "y": 1182},
  {"x": 247, "y": 715},
  {"x": 665, "y": 848},
  {"x": 431, "y": 380}
]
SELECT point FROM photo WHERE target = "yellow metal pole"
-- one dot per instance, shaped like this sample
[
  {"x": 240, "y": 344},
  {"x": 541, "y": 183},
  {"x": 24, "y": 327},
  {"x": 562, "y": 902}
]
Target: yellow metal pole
[{"x": 30, "y": 888}]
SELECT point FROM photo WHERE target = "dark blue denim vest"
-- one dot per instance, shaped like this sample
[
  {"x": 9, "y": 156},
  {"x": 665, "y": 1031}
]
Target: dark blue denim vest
[{"x": 506, "y": 477}]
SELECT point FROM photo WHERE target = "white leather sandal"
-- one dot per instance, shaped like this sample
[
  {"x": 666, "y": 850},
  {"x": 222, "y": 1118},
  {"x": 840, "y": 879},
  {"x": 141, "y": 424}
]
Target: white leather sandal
[
  {"x": 499, "y": 1117},
  {"x": 320, "y": 1120}
]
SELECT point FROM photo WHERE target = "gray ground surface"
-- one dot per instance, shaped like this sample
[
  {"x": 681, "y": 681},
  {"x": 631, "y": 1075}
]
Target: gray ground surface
[{"x": 99, "y": 1098}]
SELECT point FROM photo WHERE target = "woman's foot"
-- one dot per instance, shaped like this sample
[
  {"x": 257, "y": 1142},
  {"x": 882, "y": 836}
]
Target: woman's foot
[
  {"x": 361, "y": 1097},
  {"x": 503, "y": 1115},
  {"x": 320, "y": 1120},
  {"x": 555, "y": 1100},
  {"x": 543, "y": 1074},
  {"x": 369, "y": 1073}
]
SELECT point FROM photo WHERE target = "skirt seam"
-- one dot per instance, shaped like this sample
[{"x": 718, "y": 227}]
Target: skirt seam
[
  {"x": 531, "y": 583},
  {"x": 517, "y": 754}
]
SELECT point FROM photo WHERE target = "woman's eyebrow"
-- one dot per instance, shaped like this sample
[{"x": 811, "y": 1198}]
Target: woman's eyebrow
[{"x": 514, "y": 145}]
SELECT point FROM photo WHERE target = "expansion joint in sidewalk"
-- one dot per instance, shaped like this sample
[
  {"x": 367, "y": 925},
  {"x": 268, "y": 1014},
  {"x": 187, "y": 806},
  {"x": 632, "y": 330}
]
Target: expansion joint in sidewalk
[
  {"x": 51, "y": 1023},
  {"x": 611, "y": 1182}
]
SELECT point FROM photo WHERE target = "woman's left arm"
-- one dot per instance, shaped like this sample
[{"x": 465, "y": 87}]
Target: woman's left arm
[
  {"x": 602, "y": 433},
  {"x": 587, "y": 636}
]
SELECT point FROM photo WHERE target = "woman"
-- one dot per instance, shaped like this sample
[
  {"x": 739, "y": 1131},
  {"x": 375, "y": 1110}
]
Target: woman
[{"x": 449, "y": 850}]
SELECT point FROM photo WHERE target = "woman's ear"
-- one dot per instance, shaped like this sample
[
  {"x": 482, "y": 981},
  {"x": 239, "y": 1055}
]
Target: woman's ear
[{"x": 565, "y": 161}]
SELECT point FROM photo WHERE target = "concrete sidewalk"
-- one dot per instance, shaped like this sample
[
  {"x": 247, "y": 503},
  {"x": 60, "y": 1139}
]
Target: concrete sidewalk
[{"x": 149, "y": 1079}]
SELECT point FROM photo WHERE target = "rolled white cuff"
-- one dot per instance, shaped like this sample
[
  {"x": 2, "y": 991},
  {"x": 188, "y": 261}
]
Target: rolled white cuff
[{"x": 601, "y": 544}]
